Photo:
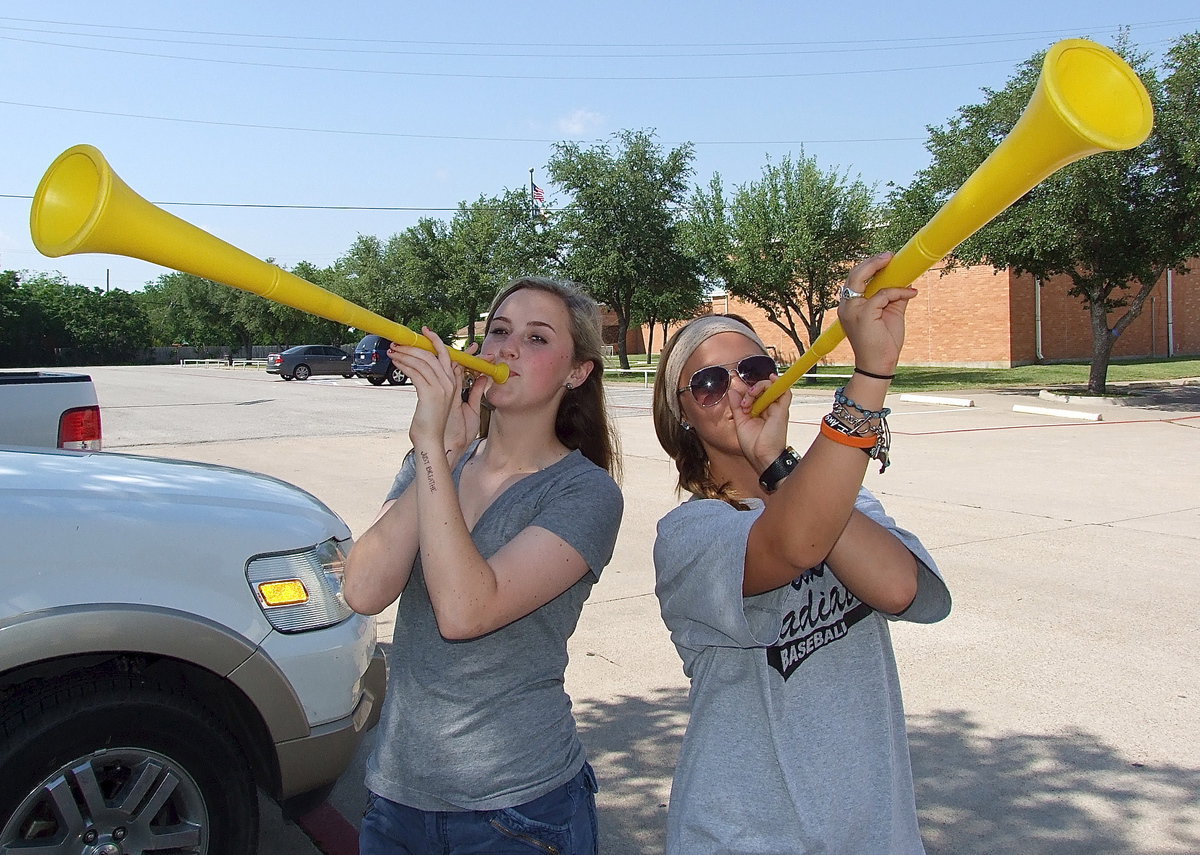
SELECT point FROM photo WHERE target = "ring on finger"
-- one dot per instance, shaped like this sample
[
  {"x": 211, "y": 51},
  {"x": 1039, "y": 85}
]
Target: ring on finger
[{"x": 849, "y": 293}]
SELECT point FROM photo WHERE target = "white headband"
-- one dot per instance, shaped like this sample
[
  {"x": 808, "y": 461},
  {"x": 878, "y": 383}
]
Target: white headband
[{"x": 690, "y": 338}]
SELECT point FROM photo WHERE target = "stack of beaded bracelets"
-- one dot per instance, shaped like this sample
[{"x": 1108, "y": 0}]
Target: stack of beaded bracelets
[{"x": 852, "y": 425}]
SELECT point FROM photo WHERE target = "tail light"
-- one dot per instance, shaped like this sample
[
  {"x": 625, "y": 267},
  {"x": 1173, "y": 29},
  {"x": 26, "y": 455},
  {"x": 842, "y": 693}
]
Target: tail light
[
  {"x": 274, "y": 358},
  {"x": 79, "y": 428}
]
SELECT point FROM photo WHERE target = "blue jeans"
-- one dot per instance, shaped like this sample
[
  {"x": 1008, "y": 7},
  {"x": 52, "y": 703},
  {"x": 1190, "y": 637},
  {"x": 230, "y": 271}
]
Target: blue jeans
[{"x": 562, "y": 822}]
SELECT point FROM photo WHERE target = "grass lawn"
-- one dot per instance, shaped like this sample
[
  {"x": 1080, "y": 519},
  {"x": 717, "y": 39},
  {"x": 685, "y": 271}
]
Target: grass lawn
[{"x": 924, "y": 378}]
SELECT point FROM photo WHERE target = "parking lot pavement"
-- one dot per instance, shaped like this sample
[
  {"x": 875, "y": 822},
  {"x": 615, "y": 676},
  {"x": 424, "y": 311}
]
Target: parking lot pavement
[{"x": 1054, "y": 711}]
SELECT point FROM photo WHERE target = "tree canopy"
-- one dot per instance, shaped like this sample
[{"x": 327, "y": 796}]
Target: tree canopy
[
  {"x": 491, "y": 241},
  {"x": 46, "y": 320},
  {"x": 786, "y": 241},
  {"x": 621, "y": 227}
]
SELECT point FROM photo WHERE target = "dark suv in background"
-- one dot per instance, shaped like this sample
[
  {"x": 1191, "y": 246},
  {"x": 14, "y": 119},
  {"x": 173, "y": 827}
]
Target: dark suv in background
[{"x": 371, "y": 361}]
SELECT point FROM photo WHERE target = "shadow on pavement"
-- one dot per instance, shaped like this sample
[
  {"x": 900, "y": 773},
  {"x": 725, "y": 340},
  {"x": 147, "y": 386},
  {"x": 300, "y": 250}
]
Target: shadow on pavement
[
  {"x": 1008, "y": 794},
  {"x": 1184, "y": 399},
  {"x": 1066, "y": 794},
  {"x": 632, "y": 742}
]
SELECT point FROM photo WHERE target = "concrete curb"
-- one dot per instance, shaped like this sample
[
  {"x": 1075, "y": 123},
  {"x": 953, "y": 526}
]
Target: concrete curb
[
  {"x": 933, "y": 399},
  {"x": 1065, "y": 414}
]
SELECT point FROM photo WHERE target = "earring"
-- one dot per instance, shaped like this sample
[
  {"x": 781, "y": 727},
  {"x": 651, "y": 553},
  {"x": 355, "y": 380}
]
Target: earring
[
  {"x": 569, "y": 387},
  {"x": 685, "y": 425}
]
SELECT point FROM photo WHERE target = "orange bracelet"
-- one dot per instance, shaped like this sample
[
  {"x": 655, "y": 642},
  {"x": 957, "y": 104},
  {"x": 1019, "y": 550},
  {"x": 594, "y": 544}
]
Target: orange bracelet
[{"x": 845, "y": 439}]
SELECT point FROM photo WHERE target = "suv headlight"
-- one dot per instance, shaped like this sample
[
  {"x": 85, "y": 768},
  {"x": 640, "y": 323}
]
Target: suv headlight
[{"x": 299, "y": 591}]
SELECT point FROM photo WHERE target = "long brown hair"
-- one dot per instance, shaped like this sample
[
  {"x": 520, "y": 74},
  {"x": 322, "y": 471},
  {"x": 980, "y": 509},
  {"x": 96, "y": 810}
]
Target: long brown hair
[
  {"x": 582, "y": 420},
  {"x": 683, "y": 445}
]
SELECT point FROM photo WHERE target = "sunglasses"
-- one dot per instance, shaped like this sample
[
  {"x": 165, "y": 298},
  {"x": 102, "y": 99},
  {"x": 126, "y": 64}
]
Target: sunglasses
[{"x": 709, "y": 385}]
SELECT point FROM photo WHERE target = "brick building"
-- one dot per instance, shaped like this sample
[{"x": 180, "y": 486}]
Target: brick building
[{"x": 978, "y": 317}]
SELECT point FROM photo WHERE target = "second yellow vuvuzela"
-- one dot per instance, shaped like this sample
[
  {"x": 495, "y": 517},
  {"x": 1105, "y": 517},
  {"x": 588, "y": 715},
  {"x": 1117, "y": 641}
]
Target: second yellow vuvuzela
[
  {"x": 82, "y": 205},
  {"x": 1087, "y": 100}
]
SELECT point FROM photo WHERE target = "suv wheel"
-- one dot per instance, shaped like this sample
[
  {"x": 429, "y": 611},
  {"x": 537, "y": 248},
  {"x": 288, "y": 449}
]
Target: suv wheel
[
  {"x": 375, "y": 381},
  {"x": 115, "y": 763},
  {"x": 396, "y": 377},
  {"x": 302, "y": 372}
]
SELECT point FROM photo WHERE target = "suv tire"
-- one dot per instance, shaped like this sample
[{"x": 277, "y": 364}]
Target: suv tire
[
  {"x": 376, "y": 381},
  {"x": 396, "y": 377},
  {"x": 115, "y": 759}
]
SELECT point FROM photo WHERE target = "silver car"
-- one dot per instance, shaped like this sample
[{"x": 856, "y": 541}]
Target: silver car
[{"x": 173, "y": 637}]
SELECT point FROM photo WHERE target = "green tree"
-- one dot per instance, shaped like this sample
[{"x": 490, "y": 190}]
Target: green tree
[
  {"x": 402, "y": 279},
  {"x": 370, "y": 275},
  {"x": 47, "y": 298},
  {"x": 1113, "y": 222},
  {"x": 443, "y": 275},
  {"x": 491, "y": 241},
  {"x": 268, "y": 321},
  {"x": 46, "y": 320},
  {"x": 785, "y": 242},
  {"x": 186, "y": 308},
  {"x": 29, "y": 330},
  {"x": 105, "y": 326},
  {"x": 621, "y": 226},
  {"x": 670, "y": 301},
  {"x": 14, "y": 325}
]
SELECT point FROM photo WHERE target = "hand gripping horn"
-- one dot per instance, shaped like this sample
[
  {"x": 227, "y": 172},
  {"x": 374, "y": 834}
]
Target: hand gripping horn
[
  {"x": 1087, "y": 100},
  {"x": 82, "y": 205}
]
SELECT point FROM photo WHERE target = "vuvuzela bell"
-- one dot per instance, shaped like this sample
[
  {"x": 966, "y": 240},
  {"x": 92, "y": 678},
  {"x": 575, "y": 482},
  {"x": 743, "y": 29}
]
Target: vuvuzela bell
[
  {"x": 1087, "y": 100},
  {"x": 82, "y": 205}
]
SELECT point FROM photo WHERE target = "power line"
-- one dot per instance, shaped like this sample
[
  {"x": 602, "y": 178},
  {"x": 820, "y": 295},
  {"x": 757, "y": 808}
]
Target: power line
[
  {"x": 409, "y": 208},
  {"x": 871, "y": 43},
  {"x": 460, "y": 138},
  {"x": 569, "y": 78},
  {"x": 578, "y": 78},
  {"x": 780, "y": 49}
]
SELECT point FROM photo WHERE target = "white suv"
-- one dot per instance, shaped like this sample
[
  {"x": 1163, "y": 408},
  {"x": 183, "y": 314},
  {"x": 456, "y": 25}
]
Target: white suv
[{"x": 172, "y": 636}]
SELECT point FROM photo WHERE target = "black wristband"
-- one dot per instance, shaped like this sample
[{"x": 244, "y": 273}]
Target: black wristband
[
  {"x": 858, "y": 370},
  {"x": 780, "y": 469}
]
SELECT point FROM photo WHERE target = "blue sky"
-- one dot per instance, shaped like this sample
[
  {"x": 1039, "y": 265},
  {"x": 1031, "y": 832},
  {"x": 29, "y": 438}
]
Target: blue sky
[{"x": 418, "y": 106}]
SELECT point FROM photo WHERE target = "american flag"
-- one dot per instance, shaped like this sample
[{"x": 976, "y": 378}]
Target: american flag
[{"x": 539, "y": 195}]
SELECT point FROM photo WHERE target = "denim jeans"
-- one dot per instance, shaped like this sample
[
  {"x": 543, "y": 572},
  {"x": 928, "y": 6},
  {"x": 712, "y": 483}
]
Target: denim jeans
[{"x": 562, "y": 822}]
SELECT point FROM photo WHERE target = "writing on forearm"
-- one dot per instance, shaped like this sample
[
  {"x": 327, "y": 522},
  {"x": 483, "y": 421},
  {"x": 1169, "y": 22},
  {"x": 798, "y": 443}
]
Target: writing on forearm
[{"x": 429, "y": 473}]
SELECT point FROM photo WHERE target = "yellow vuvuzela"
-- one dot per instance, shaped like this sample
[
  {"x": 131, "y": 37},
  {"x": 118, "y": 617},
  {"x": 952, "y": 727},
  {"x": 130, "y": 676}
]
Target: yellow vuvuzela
[
  {"x": 1087, "y": 100},
  {"x": 82, "y": 205}
]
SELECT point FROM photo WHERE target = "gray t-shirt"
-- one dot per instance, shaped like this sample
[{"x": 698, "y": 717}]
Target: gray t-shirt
[
  {"x": 796, "y": 742},
  {"x": 486, "y": 723}
]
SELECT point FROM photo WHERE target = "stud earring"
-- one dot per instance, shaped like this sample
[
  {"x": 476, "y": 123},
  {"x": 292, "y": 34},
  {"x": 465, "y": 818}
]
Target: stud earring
[
  {"x": 569, "y": 387},
  {"x": 685, "y": 425}
]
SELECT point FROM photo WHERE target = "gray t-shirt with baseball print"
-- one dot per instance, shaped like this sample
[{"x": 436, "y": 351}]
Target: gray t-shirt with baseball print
[{"x": 797, "y": 741}]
